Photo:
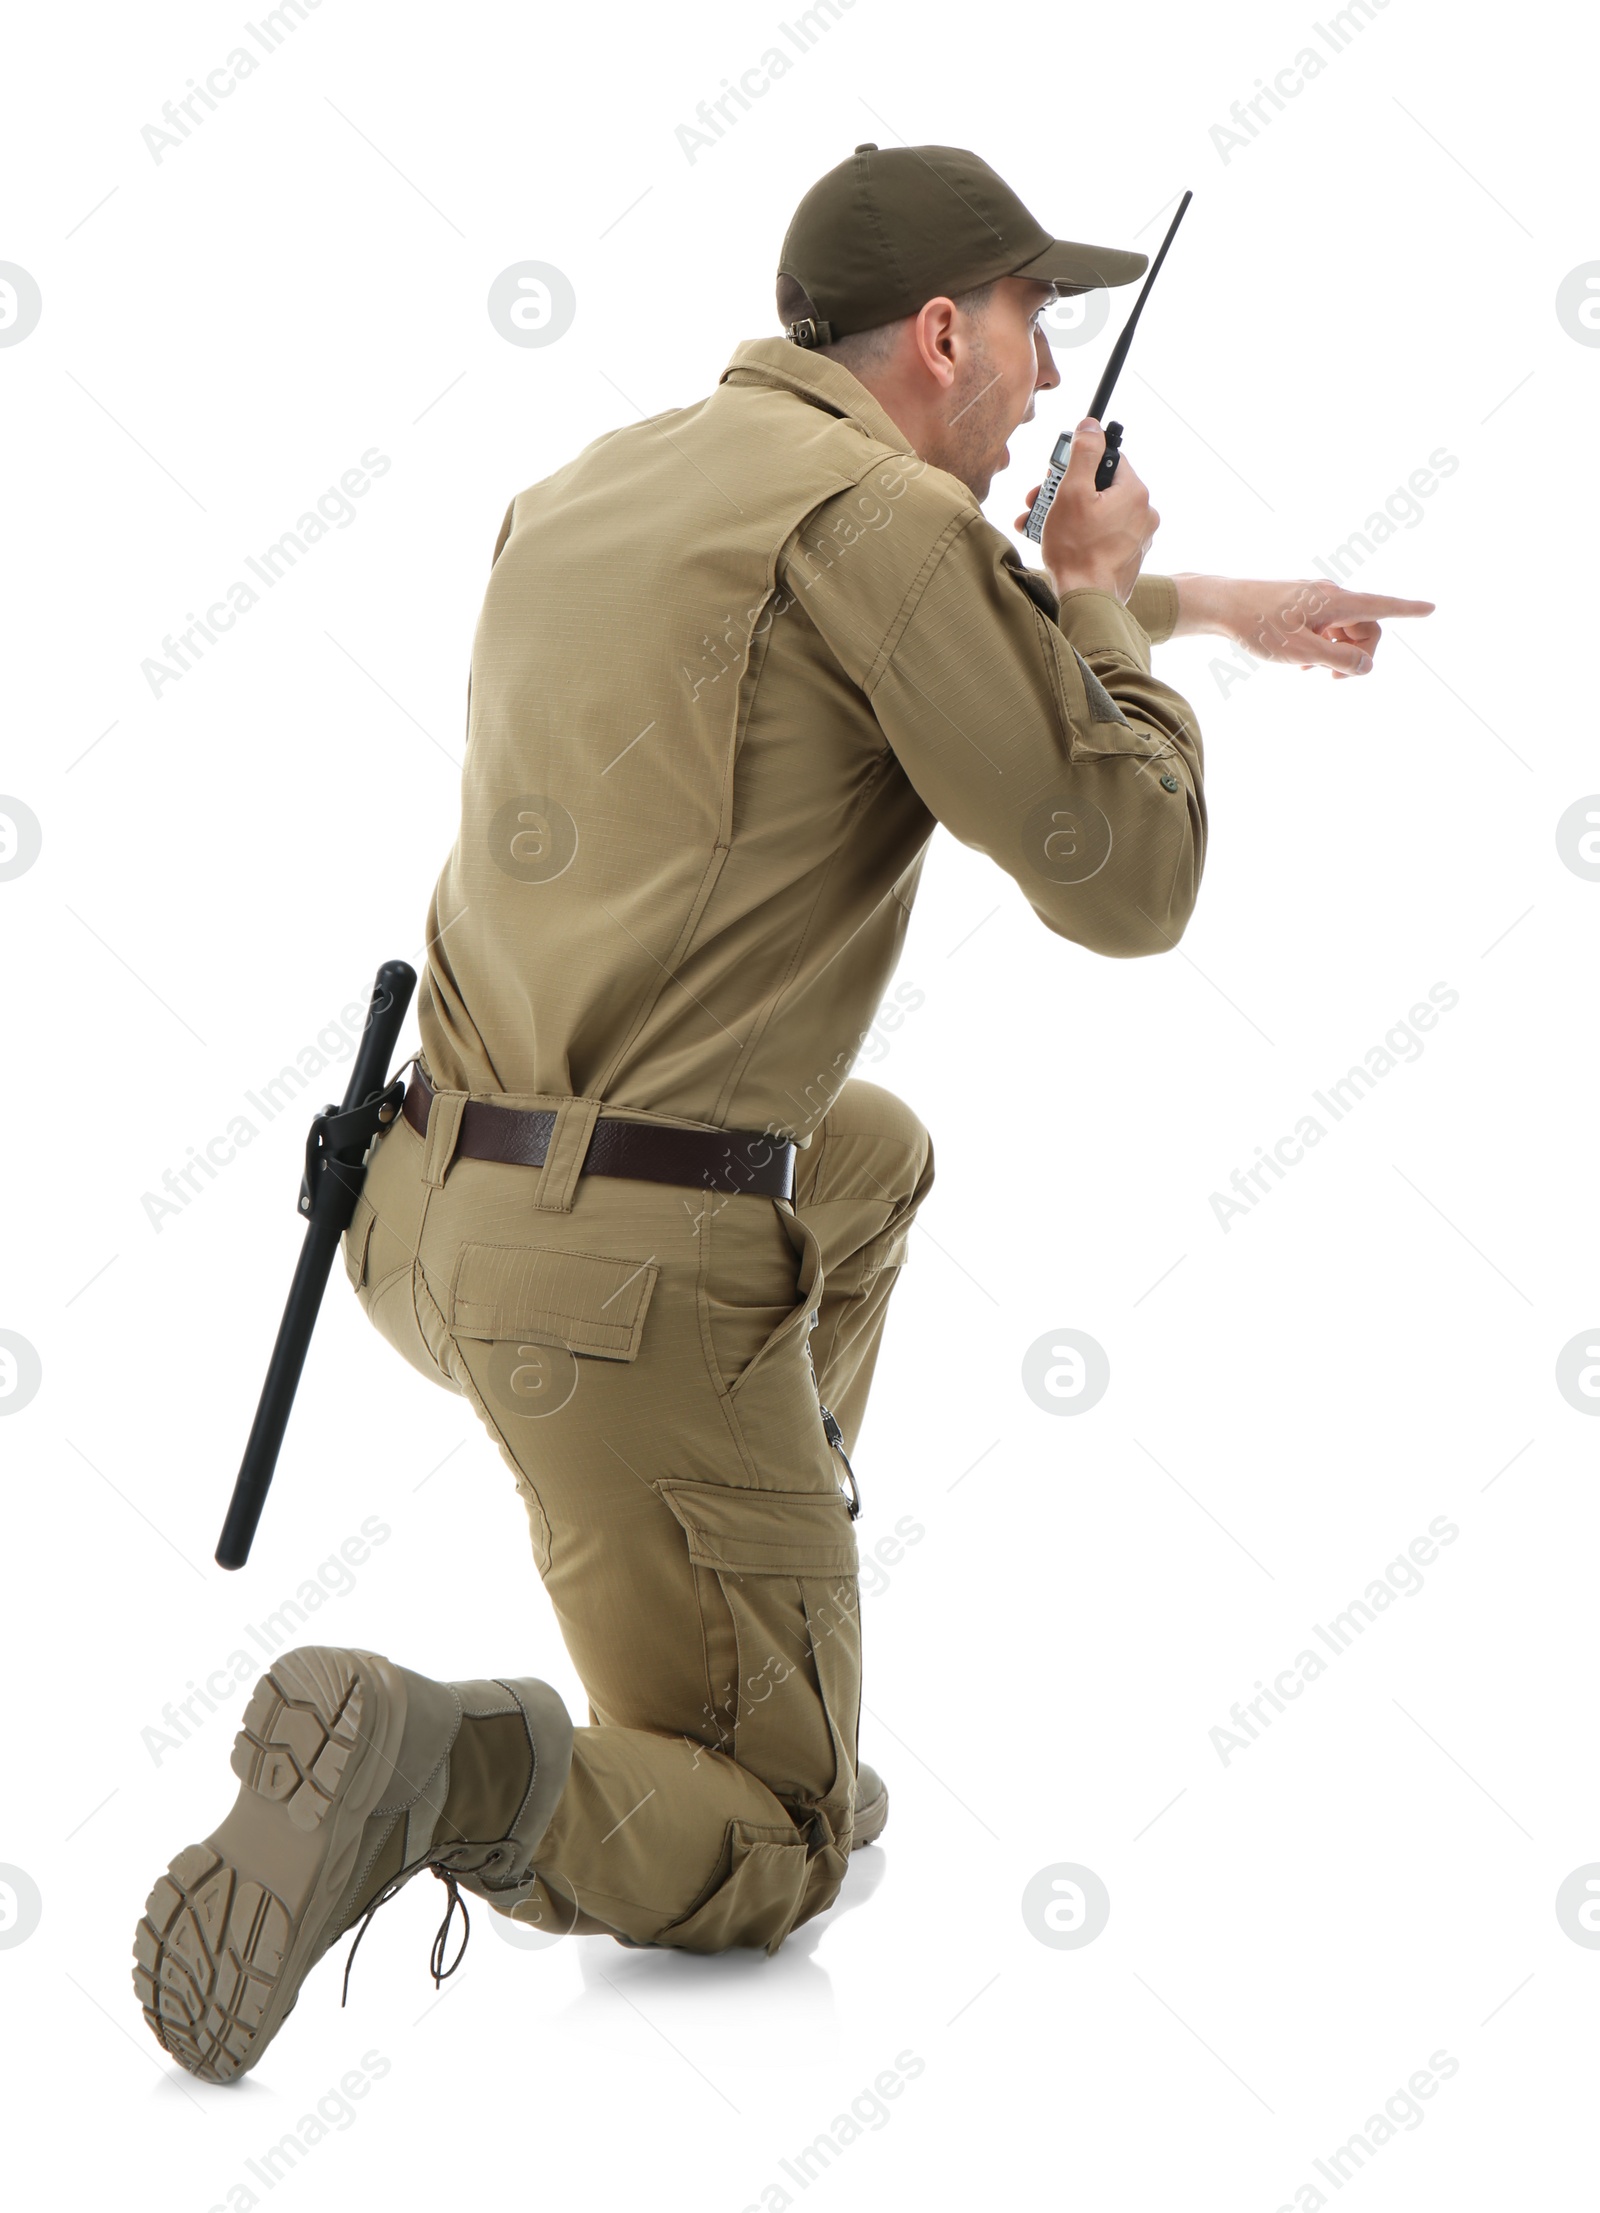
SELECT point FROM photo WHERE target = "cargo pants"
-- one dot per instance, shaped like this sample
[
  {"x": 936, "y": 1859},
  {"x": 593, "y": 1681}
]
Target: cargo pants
[{"x": 649, "y": 1359}]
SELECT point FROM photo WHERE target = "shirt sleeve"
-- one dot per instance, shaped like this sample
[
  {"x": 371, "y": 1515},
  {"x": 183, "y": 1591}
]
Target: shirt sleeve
[
  {"x": 1153, "y": 604},
  {"x": 1034, "y": 730}
]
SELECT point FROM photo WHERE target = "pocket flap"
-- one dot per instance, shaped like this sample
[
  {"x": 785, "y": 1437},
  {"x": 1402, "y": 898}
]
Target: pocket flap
[
  {"x": 757, "y": 1902},
  {"x": 589, "y": 1302},
  {"x": 750, "y": 1532}
]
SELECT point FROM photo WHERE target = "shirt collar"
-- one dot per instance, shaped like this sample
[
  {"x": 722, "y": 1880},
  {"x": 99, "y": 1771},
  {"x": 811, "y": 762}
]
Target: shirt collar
[{"x": 791, "y": 368}]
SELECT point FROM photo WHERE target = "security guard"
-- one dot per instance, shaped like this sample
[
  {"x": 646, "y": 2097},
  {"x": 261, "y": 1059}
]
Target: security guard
[{"x": 734, "y": 664}]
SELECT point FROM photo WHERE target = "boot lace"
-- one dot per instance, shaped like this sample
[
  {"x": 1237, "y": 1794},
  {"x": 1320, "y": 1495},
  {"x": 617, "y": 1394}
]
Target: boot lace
[{"x": 455, "y": 1902}]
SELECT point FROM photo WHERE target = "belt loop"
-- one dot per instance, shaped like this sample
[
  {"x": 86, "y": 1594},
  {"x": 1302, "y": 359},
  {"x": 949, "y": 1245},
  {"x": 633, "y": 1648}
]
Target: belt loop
[
  {"x": 444, "y": 1127},
  {"x": 564, "y": 1155}
]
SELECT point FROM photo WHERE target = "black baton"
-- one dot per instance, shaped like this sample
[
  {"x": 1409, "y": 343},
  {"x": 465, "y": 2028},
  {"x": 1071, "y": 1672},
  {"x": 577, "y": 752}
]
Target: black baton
[{"x": 336, "y": 1149}]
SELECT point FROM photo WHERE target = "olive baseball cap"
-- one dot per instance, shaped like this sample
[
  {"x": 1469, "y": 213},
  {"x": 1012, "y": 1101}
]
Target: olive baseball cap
[{"x": 888, "y": 229}]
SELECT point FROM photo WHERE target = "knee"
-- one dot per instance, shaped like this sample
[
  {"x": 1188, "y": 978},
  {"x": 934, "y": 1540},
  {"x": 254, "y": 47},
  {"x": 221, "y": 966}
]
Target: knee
[
  {"x": 865, "y": 1109},
  {"x": 870, "y": 1130}
]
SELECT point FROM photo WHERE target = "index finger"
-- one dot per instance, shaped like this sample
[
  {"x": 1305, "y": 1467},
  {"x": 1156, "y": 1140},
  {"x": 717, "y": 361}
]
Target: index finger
[{"x": 1354, "y": 606}]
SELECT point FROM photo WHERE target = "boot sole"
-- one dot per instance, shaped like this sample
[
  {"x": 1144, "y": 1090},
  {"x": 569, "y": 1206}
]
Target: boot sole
[{"x": 235, "y": 1925}]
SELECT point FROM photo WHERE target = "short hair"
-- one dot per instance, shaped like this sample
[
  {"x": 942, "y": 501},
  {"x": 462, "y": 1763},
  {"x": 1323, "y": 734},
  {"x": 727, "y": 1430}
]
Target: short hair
[{"x": 864, "y": 349}]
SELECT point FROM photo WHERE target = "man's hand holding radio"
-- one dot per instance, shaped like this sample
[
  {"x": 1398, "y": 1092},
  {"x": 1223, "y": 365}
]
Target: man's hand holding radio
[{"x": 1095, "y": 541}]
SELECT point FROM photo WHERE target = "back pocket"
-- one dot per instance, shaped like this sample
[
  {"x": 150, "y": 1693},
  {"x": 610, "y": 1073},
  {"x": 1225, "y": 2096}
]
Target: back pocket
[
  {"x": 535, "y": 1313},
  {"x": 585, "y": 1302}
]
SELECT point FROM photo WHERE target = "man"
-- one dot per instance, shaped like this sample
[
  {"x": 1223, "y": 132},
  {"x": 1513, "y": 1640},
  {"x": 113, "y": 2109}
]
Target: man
[{"x": 733, "y": 665}]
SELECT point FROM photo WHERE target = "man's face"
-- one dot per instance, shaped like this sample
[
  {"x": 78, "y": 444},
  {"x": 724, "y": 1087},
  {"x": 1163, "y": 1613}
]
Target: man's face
[{"x": 1005, "y": 360}]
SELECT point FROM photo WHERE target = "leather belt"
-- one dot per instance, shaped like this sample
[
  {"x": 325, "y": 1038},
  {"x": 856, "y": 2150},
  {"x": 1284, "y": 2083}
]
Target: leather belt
[{"x": 732, "y": 1161}]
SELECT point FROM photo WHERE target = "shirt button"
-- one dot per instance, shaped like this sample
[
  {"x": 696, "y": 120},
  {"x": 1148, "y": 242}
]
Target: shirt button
[{"x": 1169, "y": 783}]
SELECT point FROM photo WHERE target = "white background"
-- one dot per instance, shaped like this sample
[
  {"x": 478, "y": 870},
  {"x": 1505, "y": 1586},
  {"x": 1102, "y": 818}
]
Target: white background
[{"x": 1293, "y": 1933}]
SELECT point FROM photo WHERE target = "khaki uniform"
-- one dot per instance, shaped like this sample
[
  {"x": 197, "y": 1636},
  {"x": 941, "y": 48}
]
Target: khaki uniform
[{"x": 733, "y": 664}]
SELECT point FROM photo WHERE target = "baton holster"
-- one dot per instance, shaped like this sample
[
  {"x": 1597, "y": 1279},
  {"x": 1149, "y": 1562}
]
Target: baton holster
[{"x": 337, "y": 1129}]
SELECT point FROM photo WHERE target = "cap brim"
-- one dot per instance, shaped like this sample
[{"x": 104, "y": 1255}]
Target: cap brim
[{"x": 1073, "y": 268}]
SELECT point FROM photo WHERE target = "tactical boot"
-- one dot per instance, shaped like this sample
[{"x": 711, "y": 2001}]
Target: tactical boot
[
  {"x": 344, "y": 1766},
  {"x": 872, "y": 1807}
]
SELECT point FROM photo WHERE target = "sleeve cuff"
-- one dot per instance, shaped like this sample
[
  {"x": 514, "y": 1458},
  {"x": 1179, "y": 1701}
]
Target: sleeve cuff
[
  {"x": 1094, "y": 622},
  {"x": 1153, "y": 604}
]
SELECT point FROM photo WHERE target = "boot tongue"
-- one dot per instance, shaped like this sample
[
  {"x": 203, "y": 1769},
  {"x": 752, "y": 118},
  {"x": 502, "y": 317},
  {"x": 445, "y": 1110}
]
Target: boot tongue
[{"x": 491, "y": 1767}]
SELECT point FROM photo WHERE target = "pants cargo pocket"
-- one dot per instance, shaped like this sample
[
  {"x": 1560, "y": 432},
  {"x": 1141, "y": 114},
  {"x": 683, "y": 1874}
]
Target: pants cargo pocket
[
  {"x": 521, "y": 1321},
  {"x": 781, "y": 1622},
  {"x": 756, "y": 1903}
]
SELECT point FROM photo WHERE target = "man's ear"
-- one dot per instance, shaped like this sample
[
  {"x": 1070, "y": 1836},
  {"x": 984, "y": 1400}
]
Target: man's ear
[{"x": 933, "y": 332}]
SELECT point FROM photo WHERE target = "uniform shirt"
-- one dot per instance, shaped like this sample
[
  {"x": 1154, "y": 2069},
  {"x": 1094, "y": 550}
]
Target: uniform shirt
[{"x": 733, "y": 665}]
